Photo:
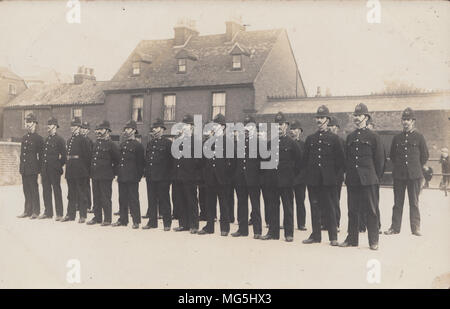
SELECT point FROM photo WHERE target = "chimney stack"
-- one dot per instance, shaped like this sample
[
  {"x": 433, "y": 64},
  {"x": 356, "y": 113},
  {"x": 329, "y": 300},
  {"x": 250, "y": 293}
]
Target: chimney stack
[
  {"x": 184, "y": 29},
  {"x": 84, "y": 73},
  {"x": 232, "y": 27},
  {"x": 318, "y": 94}
]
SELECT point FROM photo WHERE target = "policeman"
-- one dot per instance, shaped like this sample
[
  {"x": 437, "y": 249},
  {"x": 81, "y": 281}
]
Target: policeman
[
  {"x": 364, "y": 168},
  {"x": 296, "y": 131},
  {"x": 185, "y": 176},
  {"x": 218, "y": 171},
  {"x": 130, "y": 171},
  {"x": 105, "y": 158},
  {"x": 409, "y": 153},
  {"x": 30, "y": 167},
  {"x": 283, "y": 175},
  {"x": 158, "y": 164},
  {"x": 324, "y": 158},
  {"x": 77, "y": 172},
  {"x": 85, "y": 128},
  {"x": 334, "y": 128},
  {"x": 247, "y": 181},
  {"x": 53, "y": 160}
]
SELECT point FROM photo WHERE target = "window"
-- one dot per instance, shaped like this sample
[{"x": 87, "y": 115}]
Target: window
[
  {"x": 169, "y": 107},
  {"x": 137, "y": 113},
  {"x": 26, "y": 112},
  {"x": 218, "y": 104},
  {"x": 77, "y": 112},
  {"x": 136, "y": 68},
  {"x": 237, "y": 64},
  {"x": 181, "y": 65},
  {"x": 12, "y": 89}
]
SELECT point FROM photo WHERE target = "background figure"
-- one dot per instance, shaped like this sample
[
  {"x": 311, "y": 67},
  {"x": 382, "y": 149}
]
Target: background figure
[{"x": 444, "y": 160}]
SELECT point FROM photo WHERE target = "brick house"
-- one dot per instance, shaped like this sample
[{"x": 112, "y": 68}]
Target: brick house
[
  {"x": 231, "y": 73},
  {"x": 84, "y": 98},
  {"x": 11, "y": 85}
]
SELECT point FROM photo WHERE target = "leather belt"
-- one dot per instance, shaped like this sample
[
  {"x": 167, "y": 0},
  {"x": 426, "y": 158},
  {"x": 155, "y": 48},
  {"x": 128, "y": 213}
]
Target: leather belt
[{"x": 73, "y": 157}]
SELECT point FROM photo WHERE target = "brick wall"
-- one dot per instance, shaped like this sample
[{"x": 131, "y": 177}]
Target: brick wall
[
  {"x": 13, "y": 119},
  {"x": 9, "y": 163},
  {"x": 193, "y": 101}
]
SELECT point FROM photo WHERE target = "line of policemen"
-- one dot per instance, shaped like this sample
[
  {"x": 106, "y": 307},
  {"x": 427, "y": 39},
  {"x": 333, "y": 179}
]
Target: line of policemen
[{"x": 319, "y": 164}]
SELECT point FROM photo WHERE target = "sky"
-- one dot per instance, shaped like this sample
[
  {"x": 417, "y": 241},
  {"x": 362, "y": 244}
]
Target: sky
[{"x": 334, "y": 44}]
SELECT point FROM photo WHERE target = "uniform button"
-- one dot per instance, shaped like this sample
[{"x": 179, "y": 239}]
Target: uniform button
[
  {"x": 153, "y": 152},
  {"x": 45, "y": 161},
  {"x": 319, "y": 156},
  {"x": 356, "y": 165},
  {"x": 151, "y": 157},
  {"x": 406, "y": 162},
  {"x": 96, "y": 152},
  {"x": 320, "y": 149},
  {"x": 359, "y": 132},
  {"x": 214, "y": 165},
  {"x": 243, "y": 168},
  {"x": 356, "y": 157},
  {"x": 95, "y": 164},
  {"x": 243, "y": 161},
  {"x": 320, "y": 141},
  {"x": 357, "y": 148},
  {"x": 406, "y": 135},
  {"x": 406, "y": 140},
  {"x": 24, "y": 160},
  {"x": 178, "y": 165},
  {"x": 121, "y": 164},
  {"x": 151, "y": 164},
  {"x": 214, "y": 158},
  {"x": 320, "y": 164},
  {"x": 406, "y": 156},
  {"x": 406, "y": 148}
]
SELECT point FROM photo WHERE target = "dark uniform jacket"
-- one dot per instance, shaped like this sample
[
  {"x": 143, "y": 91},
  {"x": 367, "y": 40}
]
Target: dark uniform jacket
[
  {"x": 301, "y": 177},
  {"x": 219, "y": 169},
  {"x": 187, "y": 169},
  {"x": 289, "y": 163},
  {"x": 105, "y": 158},
  {"x": 31, "y": 154},
  {"x": 53, "y": 155},
  {"x": 131, "y": 162},
  {"x": 324, "y": 158},
  {"x": 78, "y": 157},
  {"x": 247, "y": 171},
  {"x": 408, "y": 154},
  {"x": 364, "y": 158},
  {"x": 158, "y": 159}
]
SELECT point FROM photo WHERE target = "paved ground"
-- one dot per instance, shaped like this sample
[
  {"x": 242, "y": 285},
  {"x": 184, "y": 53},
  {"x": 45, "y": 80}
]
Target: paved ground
[{"x": 34, "y": 254}]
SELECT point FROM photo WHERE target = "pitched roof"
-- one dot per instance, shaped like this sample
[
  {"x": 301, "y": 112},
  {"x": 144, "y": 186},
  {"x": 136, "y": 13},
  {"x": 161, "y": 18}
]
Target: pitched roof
[
  {"x": 346, "y": 104},
  {"x": 7, "y": 73},
  {"x": 213, "y": 66},
  {"x": 89, "y": 92}
]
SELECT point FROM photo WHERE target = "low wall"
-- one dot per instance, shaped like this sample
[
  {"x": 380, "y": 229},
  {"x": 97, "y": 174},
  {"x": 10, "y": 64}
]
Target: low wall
[{"x": 9, "y": 163}]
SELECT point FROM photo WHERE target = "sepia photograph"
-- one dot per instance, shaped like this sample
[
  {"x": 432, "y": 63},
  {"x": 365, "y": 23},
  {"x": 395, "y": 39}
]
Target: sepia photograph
[{"x": 218, "y": 145}]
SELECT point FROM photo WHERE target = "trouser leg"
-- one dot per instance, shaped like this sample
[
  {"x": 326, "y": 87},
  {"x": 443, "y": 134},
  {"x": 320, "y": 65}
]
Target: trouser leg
[
  {"x": 274, "y": 212},
  {"x": 287, "y": 198},
  {"x": 265, "y": 193},
  {"x": 106, "y": 200},
  {"x": 255, "y": 199},
  {"x": 33, "y": 194},
  {"x": 353, "y": 215},
  {"x": 72, "y": 198},
  {"x": 152, "y": 197},
  {"x": 338, "y": 203},
  {"x": 202, "y": 201},
  {"x": 327, "y": 201},
  {"x": 399, "y": 199},
  {"x": 211, "y": 204},
  {"x": 370, "y": 201},
  {"x": 28, "y": 206},
  {"x": 97, "y": 200},
  {"x": 242, "y": 209},
  {"x": 82, "y": 196},
  {"x": 123, "y": 203},
  {"x": 133, "y": 195},
  {"x": 164, "y": 202},
  {"x": 413, "y": 196},
  {"x": 224, "y": 204},
  {"x": 300, "y": 191},
  {"x": 47, "y": 194},
  {"x": 56, "y": 184},
  {"x": 190, "y": 193},
  {"x": 314, "y": 201},
  {"x": 89, "y": 193},
  {"x": 230, "y": 198}
]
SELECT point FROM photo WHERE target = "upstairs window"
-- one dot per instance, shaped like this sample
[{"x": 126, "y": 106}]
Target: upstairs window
[
  {"x": 237, "y": 62},
  {"x": 181, "y": 65},
  {"x": 137, "y": 110},
  {"x": 218, "y": 104},
  {"x": 77, "y": 112},
  {"x": 136, "y": 68},
  {"x": 169, "y": 107},
  {"x": 12, "y": 89}
]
